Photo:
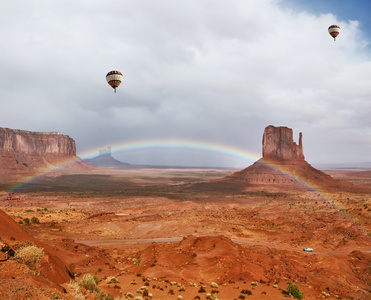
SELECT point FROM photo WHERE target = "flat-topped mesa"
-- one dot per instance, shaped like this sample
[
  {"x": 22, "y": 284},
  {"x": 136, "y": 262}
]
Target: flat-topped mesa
[
  {"x": 36, "y": 143},
  {"x": 278, "y": 144},
  {"x": 26, "y": 152}
]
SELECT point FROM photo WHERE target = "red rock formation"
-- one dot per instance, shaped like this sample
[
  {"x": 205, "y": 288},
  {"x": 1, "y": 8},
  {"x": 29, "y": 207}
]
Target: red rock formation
[
  {"x": 278, "y": 144},
  {"x": 36, "y": 143},
  {"x": 24, "y": 151},
  {"x": 283, "y": 163},
  {"x": 51, "y": 265}
]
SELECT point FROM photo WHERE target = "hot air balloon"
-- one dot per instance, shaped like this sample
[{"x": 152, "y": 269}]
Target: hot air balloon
[
  {"x": 334, "y": 31},
  {"x": 114, "y": 79}
]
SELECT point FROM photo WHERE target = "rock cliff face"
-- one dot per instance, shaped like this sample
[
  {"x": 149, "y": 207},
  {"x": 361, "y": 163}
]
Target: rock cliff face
[
  {"x": 24, "y": 151},
  {"x": 36, "y": 143},
  {"x": 278, "y": 143}
]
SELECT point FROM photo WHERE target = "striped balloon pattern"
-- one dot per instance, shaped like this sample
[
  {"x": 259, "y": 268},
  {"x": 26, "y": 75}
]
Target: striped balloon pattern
[
  {"x": 114, "y": 79},
  {"x": 334, "y": 31}
]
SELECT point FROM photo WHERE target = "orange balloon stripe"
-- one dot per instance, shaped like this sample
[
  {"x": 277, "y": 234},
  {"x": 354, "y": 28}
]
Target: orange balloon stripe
[{"x": 114, "y": 83}]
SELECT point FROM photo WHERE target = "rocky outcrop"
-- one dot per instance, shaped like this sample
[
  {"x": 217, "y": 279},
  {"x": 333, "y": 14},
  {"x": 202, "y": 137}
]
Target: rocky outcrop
[
  {"x": 36, "y": 143},
  {"x": 283, "y": 164},
  {"x": 278, "y": 143},
  {"x": 24, "y": 151},
  {"x": 51, "y": 265}
]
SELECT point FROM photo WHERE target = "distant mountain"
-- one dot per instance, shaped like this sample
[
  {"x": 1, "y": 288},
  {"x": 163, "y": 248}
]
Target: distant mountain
[{"x": 106, "y": 161}]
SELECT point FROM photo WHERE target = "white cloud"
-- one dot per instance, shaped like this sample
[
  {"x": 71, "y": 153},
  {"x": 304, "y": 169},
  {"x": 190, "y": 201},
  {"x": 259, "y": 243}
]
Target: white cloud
[{"x": 211, "y": 70}]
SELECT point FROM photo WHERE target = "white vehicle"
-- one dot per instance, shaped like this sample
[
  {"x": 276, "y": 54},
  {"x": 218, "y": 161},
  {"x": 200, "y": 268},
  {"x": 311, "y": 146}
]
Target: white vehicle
[{"x": 308, "y": 249}]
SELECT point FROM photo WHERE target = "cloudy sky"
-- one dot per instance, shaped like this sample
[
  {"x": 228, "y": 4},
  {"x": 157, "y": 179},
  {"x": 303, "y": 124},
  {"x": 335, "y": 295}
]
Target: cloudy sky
[{"x": 200, "y": 74}]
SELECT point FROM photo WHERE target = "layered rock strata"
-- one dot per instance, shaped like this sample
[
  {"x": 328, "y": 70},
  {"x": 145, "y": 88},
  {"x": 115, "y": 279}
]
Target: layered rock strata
[
  {"x": 36, "y": 143},
  {"x": 24, "y": 151}
]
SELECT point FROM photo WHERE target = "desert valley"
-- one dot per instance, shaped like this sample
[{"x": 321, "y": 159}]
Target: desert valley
[{"x": 151, "y": 233}]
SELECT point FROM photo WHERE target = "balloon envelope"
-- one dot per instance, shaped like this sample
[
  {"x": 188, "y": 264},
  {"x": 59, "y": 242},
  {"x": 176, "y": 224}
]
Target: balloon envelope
[
  {"x": 114, "y": 79},
  {"x": 334, "y": 31}
]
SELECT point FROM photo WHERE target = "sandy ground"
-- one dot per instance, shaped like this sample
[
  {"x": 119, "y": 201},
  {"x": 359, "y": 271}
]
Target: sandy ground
[{"x": 166, "y": 233}]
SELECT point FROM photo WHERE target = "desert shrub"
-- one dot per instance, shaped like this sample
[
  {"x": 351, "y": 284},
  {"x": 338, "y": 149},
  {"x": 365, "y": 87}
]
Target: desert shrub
[
  {"x": 76, "y": 292},
  {"x": 137, "y": 261},
  {"x": 246, "y": 292},
  {"x": 101, "y": 295},
  {"x": 26, "y": 221},
  {"x": 29, "y": 255},
  {"x": 202, "y": 290},
  {"x": 182, "y": 288},
  {"x": 325, "y": 294},
  {"x": 89, "y": 281},
  {"x": 35, "y": 220},
  {"x": 111, "y": 279},
  {"x": 294, "y": 290}
]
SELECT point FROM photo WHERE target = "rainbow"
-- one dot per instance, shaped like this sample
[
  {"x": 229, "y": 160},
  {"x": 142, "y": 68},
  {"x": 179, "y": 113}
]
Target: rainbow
[
  {"x": 178, "y": 144},
  {"x": 191, "y": 145},
  {"x": 162, "y": 144},
  {"x": 29, "y": 180},
  {"x": 145, "y": 145},
  {"x": 222, "y": 149}
]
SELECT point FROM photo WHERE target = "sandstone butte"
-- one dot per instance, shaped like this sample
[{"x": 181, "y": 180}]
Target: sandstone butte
[
  {"x": 283, "y": 163},
  {"x": 26, "y": 152}
]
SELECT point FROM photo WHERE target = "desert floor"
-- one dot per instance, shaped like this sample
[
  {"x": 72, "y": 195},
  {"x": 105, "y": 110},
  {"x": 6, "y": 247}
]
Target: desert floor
[{"x": 169, "y": 233}]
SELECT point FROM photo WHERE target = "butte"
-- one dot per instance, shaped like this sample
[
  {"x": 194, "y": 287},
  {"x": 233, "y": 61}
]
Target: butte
[{"x": 283, "y": 166}]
